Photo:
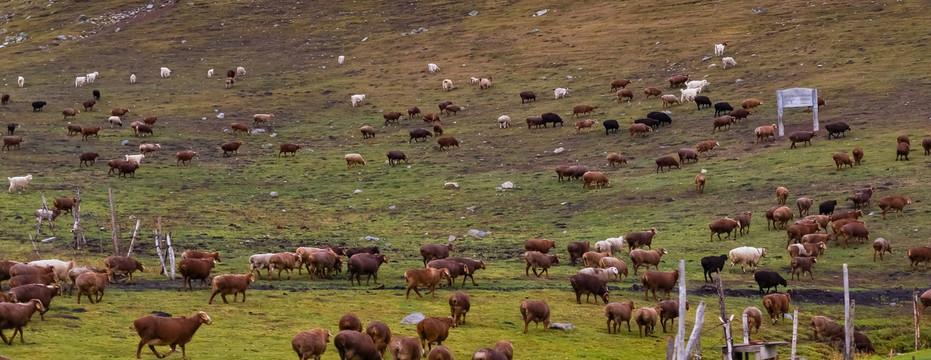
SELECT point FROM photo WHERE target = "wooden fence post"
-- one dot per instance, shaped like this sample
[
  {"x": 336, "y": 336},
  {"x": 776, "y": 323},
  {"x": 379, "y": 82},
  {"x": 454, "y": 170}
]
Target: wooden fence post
[
  {"x": 171, "y": 255},
  {"x": 848, "y": 328},
  {"x": 680, "y": 336},
  {"x": 794, "y": 332},
  {"x": 133, "y": 241},
  {"x": 114, "y": 229},
  {"x": 76, "y": 229},
  {"x": 724, "y": 319},
  {"x": 695, "y": 337},
  {"x": 746, "y": 329},
  {"x": 915, "y": 309}
]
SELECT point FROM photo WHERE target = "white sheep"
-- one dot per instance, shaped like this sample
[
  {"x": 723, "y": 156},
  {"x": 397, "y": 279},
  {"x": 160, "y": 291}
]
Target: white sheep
[
  {"x": 697, "y": 84},
  {"x": 61, "y": 267},
  {"x": 19, "y": 182},
  {"x": 561, "y": 92},
  {"x": 357, "y": 99},
  {"x": 210, "y": 73},
  {"x": 447, "y": 84},
  {"x": 610, "y": 245},
  {"x": 484, "y": 83},
  {"x": 135, "y": 159},
  {"x": 165, "y": 72},
  {"x": 240, "y": 71},
  {"x": 115, "y": 121},
  {"x": 147, "y": 148},
  {"x": 504, "y": 121},
  {"x": 728, "y": 61},
  {"x": 605, "y": 275},
  {"x": 132, "y": 78},
  {"x": 688, "y": 95},
  {"x": 21, "y": 81},
  {"x": 433, "y": 68},
  {"x": 92, "y": 77},
  {"x": 80, "y": 81},
  {"x": 473, "y": 80},
  {"x": 340, "y": 59},
  {"x": 719, "y": 49},
  {"x": 746, "y": 255},
  {"x": 259, "y": 262},
  {"x": 354, "y": 159}
]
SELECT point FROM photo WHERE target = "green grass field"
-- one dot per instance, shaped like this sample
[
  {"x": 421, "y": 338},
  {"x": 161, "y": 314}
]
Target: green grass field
[{"x": 866, "y": 59}]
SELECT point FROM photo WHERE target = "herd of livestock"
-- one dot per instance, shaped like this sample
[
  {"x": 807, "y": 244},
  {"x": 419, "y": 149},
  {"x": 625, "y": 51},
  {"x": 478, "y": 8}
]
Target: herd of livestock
[{"x": 32, "y": 285}]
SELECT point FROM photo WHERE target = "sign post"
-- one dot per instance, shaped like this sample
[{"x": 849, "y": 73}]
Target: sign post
[{"x": 796, "y": 97}]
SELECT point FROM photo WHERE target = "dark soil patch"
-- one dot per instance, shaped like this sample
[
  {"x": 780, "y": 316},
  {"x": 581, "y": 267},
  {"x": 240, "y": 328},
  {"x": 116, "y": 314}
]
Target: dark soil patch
[{"x": 817, "y": 296}]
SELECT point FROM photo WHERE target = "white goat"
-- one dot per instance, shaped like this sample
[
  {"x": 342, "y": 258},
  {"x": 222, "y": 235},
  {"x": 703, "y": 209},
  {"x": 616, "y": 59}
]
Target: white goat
[
  {"x": 19, "y": 182},
  {"x": 357, "y": 99},
  {"x": 165, "y": 72},
  {"x": 728, "y": 61},
  {"x": 561, "y": 92},
  {"x": 80, "y": 81},
  {"x": 719, "y": 49},
  {"x": 132, "y": 78},
  {"x": 433, "y": 68}
]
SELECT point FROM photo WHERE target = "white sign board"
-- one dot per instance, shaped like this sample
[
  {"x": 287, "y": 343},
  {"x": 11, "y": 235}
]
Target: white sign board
[{"x": 796, "y": 97}]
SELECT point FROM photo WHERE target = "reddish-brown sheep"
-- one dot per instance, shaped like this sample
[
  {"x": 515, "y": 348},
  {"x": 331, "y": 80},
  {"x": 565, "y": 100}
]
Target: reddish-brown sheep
[
  {"x": 536, "y": 259},
  {"x": 288, "y": 148},
  {"x": 706, "y": 146},
  {"x": 185, "y": 156},
  {"x": 594, "y": 177},
  {"x": 667, "y": 162},
  {"x": 231, "y": 284},
  {"x": 118, "y": 112},
  {"x": 646, "y": 258},
  {"x": 854, "y": 230},
  {"x": 434, "y": 251},
  {"x": 429, "y": 277},
  {"x": 230, "y": 147},
  {"x": 894, "y": 202},
  {"x": 754, "y": 319},
  {"x": 310, "y": 344},
  {"x": 472, "y": 264},
  {"x": 239, "y": 127},
  {"x": 43, "y": 293},
  {"x": 459, "y": 306},
  {"x": 668, "y": 311},
  {"x": 619, "y": 83},
  {"x": 288, "y": 261},
  {"x": 350, "y": 322},
  {"x": 802, "y": 137},
  {"x": 678, "y": 79},
  {"x": 617, "y": 313},
  {"x": 795, "y": 232},
  {"x": 640, "y": 239},
  {"x": 195, "y": 269},
  {"x": 800, "y": 265},
  {"x": 582, "y": 110},
  {"x": 404, "y": 347},
  {"x": 440, "y": 352},
  {"x": 646, "y": 318},
  {"x": 824, "y": 327},
  {"x": 781, "y": 217},
  {"x": 592, "y": 258},
  {"x": 588, "y": 285},
  {"x": 355, "y": 345},
  {"x": 164, "y": 331},
  {"x": 88, "y": 131},
  {"x": 365, "y": 264},
  {"x": 639, "y": 129},
  {"x": 535, "y": 311},
  {"x": 15, "y": 316},
  {"x": 434, "y": 330},
  {"x": 447, "y": 142},
  {"x": 456, "y": 269},
  {"x": 92, "y": 283},
  {"x": 804, "y": 204},
  {"x": 541, "y": 245},
  {"x": 722, "y": 226},
  {"x": 658, "y": 280},
  {"x": 122, "y": 265},
  {"x": 916, "y": 256},
  {"x": 776, "y": 305},
  {"x": 380, "y": 334},
  {"x": 577, "y": 249},
  {"x": 723, "y": 122},
  {"x": 195, "y": 254},
  {"x": 69, "y": 112}
]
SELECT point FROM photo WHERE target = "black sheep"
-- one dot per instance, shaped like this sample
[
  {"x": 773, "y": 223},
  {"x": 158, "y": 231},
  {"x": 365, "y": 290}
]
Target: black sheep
[
  {"x": 722, "y": 108},
  {"x": 367, "y": 250},
  {"x": 835, "y": 128},
  {"x": 551, "y": 118},
  {"x": 96, "y": 94},
  {"x": 660, "y": 116},
  {"x": 653, "y": 123},
  {"x": 827, "y": 207},
  {"x": 702, "y": 100},
  {"x": 11, "y": 128},
  {"x": 713, "y": 264},
  {"x": 610, "y": 125},
  {"x": 768, "y": 280},
  {"x": 38, "y": 105}
]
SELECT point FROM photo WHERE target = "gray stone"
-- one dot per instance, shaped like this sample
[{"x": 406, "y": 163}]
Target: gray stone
[
  {"x": 413, "y": 319},
  {"x": 273, "y": 194},
  {"x": 371, "y": 238},
  {"x": 473, "y": 12},
  {"x": 477, "y": 233},
  {"x": 124, "y": 142},
  {"x": 82, "y": 18},
  {"x": 562, "y": 326}
]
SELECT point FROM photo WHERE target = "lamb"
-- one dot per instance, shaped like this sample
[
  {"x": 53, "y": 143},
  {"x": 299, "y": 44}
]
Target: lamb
[
  {"x": 230, "y": 82},
  {"x": 658, "y": 280},
  {"x": 746, "y": 255},
  {"x": 535, "y": 311},
  {"x": 354, "y": 159},
  {"x": 288, "y": 148},
  {"x": 433, "y": 68},
  {"x": 165, "y": 72},
  {"x": 310, "y": 344},
  {"x": 357, "y": 99},
  {"x": 10, "y": 141},
  {"x": 669, "y": 99},
  {"x": 231, "y": 284},
  {"x": 19, "y": 182},
  {"x": 536, "y": 259},
  {"x": 765, "y": 132},
  {"x": 712, "y": 264},
  {"x": 484, "y": 83},
  {"x": 646, "y": 258},
  {"x": 776, "y": 305},
  {"x": 504, "y": 121},
  {"x": 728, "y": 61},
  {"x": 240, "y": 71},
  {"x": 646, "y": 318},
  {"x": 434, "y": 330},
  {"x": 91, "y": 284},
  {"x": 132, "y": 78},
  {"x": 881, "y": 246},
  {"x": 447, "y": 84},
  {"x": 894, "y": 202},
  {"x": 92, "y": 77},
  {"x": 135, "y": 159},
  {"x": 802, "y": 264},
  {"x": 123, "y": 265},
  {"x": 162, "y": 331},
  {"x": 560, "y": 92},
  {"x": 719, "y": 49},
  {"x": 610, "y": 245},
  {"x": 16, "y": 316}
]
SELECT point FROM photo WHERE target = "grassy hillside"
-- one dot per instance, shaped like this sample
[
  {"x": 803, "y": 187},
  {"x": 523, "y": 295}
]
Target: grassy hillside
[{"x": 872, "y": 77}]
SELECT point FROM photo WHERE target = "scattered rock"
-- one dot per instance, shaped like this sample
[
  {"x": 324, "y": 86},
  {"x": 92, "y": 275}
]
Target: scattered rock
[
  {"x": 449, "y": 185},
  {"x": 559, "y": 150},
  {"x": 124, "y": 142},
  {"x": 357, "y": 191},
  {"x": 257, "y": 131},
  {"x": 706, "y": 58},
  {"x": 267, "y": 146},
  {"x": 562, "y": 326},
  {"x": 371, "y": 238},
  {"x": 507, "y": 185},
  {"x": 413, "y": 319},
  {"x": 82, "y": 18},
  {"x": 221, "y": 115},
  {"x": 739, "y": 80},
  {"x": 477, "y": 233},
  {"x": 541, "y": 12},
  {"x": 757, "y": 10},
  {"x": 451, "y": 238},
  {"x": 392, "y": 207},
  {"x": 473, "y": 12},
  {"x": 415, "y": 31},
  {"x": 61, "y": 38},
  {"x": 273, "y": 194}
]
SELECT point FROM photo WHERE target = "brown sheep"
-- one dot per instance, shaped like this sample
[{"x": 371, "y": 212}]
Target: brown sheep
[
  {"x": 472, "y": 264},
  {"x": 365, "y": 264},
  {"x": 310, "y": 344},
  {"x": 29, "y": 269},
  {"x": 355, "y": 345},
  {"x": 380, "y": 334},
  {"x": 535, "y": 311},
  {"x": 92, "y": 283},
  {"x": 367, "y": 132},
  {"x": 795, "y": 232},
  {"x": 456, "y": 269},
  {"x": 88, "y": 158},
  {"x": 592, "y": 258},
  {"x": 10, "y": 141},
  {"x": 417, "y": 134},
  {"x": 118, "y": 112},
  {"x": 583, "y": 110},
  {"x": 144, "y": 130},
  {"x": 534, "y": 121},
  {"x": 700, "y": 183},
  {"x": 78, "y": 271},
  {"x": 646, "y": 317},
  {"x": 393, "y": 116},
  {"x": 838, "y": 225},
  {"x": 594, "y": 177},
  {"x": 816, "y": 238},
  {"x": 640, "y": 239},
  {"x": 504, "y": 347},
  {"x": 162, "y": 331},
  {"x": 231, "y": 147},
  {"x": 782, "y": 194},
  {"x": 686, "y": 154},
  {"x": 350, "y": 322},
  {"x": 584, "y": 124},
  {"x": 195, "y": 269},
  {"x": 822, "y": 327},
  {"x": 814, "y": 250},
  {"x": 434, "y": 330},
  {"x": 412, "y": 111},
  {"x": 804, "y": 204},
  {"x": 459, "y": 305},
  {"x": 841, "y": 159},
  {"x": 614, "y": 160},
  {"x": 916, "y": 256},
  {"x": 541, "y": 245},
  {"x": 588, "y": 285},
  {"x": 754, "y": 319},
  {"x": 440, "y": 352},
  {"x": 881, "y": 246},
  {"x": 750, "y": 104},
  {"x": 802, "y": 137},
  {"x": 15, "y": 316},
  {"x": 452, "y": 109},
  {"x": 669, "y": 99},
  {"x": 926, "y": 144},
  {"x": 678, "y": 79},
  {"x": 894, "y": 202},
  {"x": 536, "y": 259},
  {"x": 617, "y": 313},
  {"x": 646, "y": 258},
  {"x": 122, "y": 265},
  {"x": 231, "y": 284},
  {"x": 781, "y": 217},
  {"x": 150, "y": 120},
  {"x": 857, "y": 155},
  {"x": 395, "y": 157},
  {"x": 625, "y": 93},
  {"x": 239, "y": 127},
  {"x": 706, "y": 146},
  {"x": 855, "y": 230},
  {"x": 43, "y": 293},
  {"x": 620, "y": 265},
  {"x": 765, "y": 132},
  {"x": 654, "y": 92},
  {"x": 744, "y": 219},
  {"x": 353, "y": 160},
  {"x": 925, "y": 301},
  {"x": 639, "y": 129},
  {"x": 577, "y": 249},
  {"x": 127, "y": 168},
  {"x": 185, "y": 156},
  {"x": 433, "y": 252},
  {"x": 669, "y": 310},
  {"x": 776, "y": 305},
  {"x": 723, "y": 122},
  {"x": 285, "y": 261},
  {"x": 73, "y": 129},
  {"x": 619, "y": 84},
  {"x": 657, "y": 280},
  {"x": 405, "y": 348},
  {"x": 447, "y": 142},
  {"x": 722, "y": 226},
  {"x": 667, "y": 162},
  {"x": 429, "y": 277},
  {"x": 800, "y": 265},
  {"x": 288, "y": 148},
  {"x": 431, "y": 118},
  {"x": 739, "y": 114},
  {"x": 69, "y": 112}
]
